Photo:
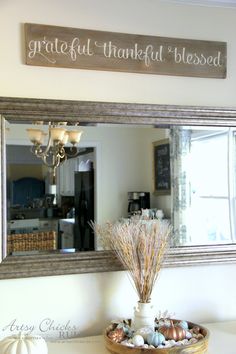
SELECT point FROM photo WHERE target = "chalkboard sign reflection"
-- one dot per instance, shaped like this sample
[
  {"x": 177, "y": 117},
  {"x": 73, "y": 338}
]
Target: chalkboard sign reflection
[{"x": 161, "y": 154}]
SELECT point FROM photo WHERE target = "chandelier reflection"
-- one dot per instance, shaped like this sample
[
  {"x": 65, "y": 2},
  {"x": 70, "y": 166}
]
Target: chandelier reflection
[{"x": 53, "y": 152}]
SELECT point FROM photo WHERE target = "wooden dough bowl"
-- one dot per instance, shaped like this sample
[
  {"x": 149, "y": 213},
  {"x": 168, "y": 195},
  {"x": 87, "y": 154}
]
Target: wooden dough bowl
[{"x": 201, "y": 347}]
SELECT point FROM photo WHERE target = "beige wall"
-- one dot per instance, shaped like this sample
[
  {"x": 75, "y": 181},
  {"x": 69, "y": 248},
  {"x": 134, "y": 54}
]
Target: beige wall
[
  {"x": 20, "y": 171},
  {"x": 89, "y": 301},
  {"x": 150, "y": 17}
]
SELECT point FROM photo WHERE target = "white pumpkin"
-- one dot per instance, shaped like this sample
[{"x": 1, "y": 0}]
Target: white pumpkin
[{"x": 23, "y": 344}]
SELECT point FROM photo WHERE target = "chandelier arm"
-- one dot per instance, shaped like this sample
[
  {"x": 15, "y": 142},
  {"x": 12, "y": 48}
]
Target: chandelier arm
[
  {"x": 36, "y": 149},
  {"x": 71, "y": 153},
  {"x": 48, "y": 164},
  {"x": 61, "y": 152},
  {"x": 56, "y": 158},
  {"x": 49, "y": 139}
]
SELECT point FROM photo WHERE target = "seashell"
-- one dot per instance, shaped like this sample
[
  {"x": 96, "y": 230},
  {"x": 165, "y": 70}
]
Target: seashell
[
  {"x": 188, "y": 335},
  {"x": 172, "y": 342},
  {"x": 138, "y": 340},
  {"x": 160, "y": 346},
  {"x": 178, "y": 344},
  {"x": 146, "y": 346},
  {"x": 131, "y": 345},
  {"x": 124, "y": 342},
  {"x": 167, "y": 345},
  {"x": 193, "y": 340},
  {"x": 127, "y": 343},
  {"x": 184, "y": 341},
  {"x": 181, "y": 342}
]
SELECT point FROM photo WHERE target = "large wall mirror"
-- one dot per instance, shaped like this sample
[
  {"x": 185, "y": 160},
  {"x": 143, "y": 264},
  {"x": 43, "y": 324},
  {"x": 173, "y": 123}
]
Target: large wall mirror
[{"x": 115, "y": 163}]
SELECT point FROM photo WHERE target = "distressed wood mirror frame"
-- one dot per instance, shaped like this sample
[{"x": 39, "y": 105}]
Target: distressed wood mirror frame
[{"x": 23, "y": 109}]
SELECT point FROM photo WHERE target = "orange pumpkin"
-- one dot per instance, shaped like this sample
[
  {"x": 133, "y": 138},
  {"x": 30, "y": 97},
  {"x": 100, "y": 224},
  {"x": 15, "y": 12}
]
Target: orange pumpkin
[{"x": 174, "y": 331}]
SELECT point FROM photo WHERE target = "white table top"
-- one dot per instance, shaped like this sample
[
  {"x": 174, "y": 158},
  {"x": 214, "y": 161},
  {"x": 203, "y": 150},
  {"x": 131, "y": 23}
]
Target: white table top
[{"x": 222, "y": 341}]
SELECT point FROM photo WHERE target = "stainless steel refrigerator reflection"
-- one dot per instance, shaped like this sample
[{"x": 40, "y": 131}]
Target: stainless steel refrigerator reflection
[{"x": 84, "y": 210}]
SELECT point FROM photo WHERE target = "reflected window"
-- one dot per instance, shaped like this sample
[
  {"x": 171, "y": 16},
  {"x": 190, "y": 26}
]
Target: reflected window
[{"x": 208, "y": 215}]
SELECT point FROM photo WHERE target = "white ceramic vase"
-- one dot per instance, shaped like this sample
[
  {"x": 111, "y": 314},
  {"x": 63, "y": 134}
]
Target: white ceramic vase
[{"x": 144, "y": 315}]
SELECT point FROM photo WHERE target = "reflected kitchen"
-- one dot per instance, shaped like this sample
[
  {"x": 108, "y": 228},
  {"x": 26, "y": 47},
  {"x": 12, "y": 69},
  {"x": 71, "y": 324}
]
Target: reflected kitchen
[
  {"x": 46, "y": 214},
  {"x": 42, "y": 215}
]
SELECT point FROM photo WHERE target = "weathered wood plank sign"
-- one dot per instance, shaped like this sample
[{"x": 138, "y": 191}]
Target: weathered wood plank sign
[{"x": 98, "y": 50}]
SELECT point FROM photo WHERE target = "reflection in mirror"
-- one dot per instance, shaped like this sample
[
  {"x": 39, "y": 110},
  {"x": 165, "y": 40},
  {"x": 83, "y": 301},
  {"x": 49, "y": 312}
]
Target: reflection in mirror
[
  {"x": 43, "y": 210},
  {"x": 118, "y": 161},
  {"x": 203, "y": 185}
]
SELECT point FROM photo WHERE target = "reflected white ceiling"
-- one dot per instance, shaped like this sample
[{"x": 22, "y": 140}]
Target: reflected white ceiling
[{"x": 213, "y": 3}]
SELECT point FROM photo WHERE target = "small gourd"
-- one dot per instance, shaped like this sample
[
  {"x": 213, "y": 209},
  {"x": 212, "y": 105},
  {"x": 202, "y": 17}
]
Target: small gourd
[
  {"x": 184, "y": 325},
  {"x": 23, "y": 344},
  {"x": 174, "y": 331},
  {"x": 155, "y": 338}
]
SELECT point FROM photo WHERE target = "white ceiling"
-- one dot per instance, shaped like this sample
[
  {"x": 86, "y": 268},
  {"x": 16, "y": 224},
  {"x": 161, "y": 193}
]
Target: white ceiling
[{"x": 213, "y": 3}]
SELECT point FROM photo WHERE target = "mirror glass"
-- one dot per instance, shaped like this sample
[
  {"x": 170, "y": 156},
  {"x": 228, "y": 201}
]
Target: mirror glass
[
  {"x": 121, "y": 171},
  {"x": 203, "y": 191}
]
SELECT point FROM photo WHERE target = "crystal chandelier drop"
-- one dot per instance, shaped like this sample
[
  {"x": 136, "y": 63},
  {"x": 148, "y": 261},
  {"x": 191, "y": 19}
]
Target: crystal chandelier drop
[{"x": 53, "y": 153}]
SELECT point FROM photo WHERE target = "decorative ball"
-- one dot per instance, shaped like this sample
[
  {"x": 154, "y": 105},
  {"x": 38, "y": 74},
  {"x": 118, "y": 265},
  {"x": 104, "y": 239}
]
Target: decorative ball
[
  {"x": 138, "y": 340},
  {"x": 174, "y": 331},
  {"x": 23, "y": 344},
  {"x": 155, "y": 338}
]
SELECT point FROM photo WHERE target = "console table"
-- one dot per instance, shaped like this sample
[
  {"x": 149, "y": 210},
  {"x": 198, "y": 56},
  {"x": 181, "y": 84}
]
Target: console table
[{"x": 222, "y": 341}]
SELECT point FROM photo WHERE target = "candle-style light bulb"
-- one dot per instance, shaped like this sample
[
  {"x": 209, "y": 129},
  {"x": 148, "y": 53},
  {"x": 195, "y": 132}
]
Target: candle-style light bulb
[
  {"x": 74, "y": 136},
  {"x": 35, "y": 135}
]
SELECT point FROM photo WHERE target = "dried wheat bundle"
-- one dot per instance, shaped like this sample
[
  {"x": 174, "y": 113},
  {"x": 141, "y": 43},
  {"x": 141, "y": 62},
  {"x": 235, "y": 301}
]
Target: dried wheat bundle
[{"x": 140, "y": 246}]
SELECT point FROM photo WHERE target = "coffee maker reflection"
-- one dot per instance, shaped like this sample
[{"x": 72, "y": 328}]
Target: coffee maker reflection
[{"x": 138, "y": 201}]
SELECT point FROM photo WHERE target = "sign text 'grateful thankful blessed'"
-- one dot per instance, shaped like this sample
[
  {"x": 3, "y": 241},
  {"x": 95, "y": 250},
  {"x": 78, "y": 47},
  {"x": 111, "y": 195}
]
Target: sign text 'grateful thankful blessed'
[{"x": 98, "y": 50}]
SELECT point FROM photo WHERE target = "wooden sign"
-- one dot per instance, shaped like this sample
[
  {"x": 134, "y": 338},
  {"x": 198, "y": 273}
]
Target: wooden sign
[
  {"x": 87, "y": 49},
  {"x": 161, "y": 167}
]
